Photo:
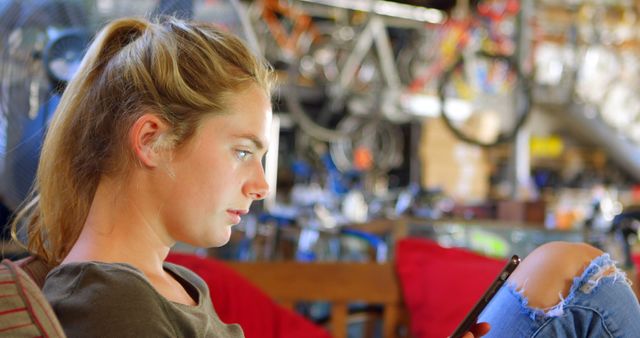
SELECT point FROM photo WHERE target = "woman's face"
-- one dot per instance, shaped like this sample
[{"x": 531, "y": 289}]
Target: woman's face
[{"x": 219, "y": 173}]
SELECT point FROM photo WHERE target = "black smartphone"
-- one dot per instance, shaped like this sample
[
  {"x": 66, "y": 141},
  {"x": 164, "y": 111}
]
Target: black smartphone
[{"x": 472, "y": 316}]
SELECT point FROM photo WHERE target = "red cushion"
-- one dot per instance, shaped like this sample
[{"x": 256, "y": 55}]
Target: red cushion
[
  {"x": 635, "y": 257},
  {"x": 236, "y": 300},
  {"x": 440, "y": 285}
]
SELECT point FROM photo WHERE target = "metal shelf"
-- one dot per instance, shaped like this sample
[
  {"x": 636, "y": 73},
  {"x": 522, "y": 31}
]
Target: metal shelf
[{"x": 583, "y": 121}]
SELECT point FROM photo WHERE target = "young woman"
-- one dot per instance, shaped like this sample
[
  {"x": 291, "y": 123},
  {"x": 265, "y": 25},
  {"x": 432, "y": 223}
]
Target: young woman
[{"x": 158, "y": 139}]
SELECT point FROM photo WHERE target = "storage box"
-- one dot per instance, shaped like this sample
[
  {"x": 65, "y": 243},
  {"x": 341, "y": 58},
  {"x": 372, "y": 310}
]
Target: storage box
[
  {"x": 532, "y": 212},
  {"x": 460, "y": 169}
]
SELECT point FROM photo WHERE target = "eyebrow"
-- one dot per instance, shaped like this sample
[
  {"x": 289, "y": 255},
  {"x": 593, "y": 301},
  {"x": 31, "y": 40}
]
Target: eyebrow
[{"x": 253, "y": 138}]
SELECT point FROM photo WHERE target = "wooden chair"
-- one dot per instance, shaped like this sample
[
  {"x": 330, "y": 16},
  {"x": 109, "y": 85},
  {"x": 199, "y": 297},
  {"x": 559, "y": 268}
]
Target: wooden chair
[{"x": 338, "y": 283}]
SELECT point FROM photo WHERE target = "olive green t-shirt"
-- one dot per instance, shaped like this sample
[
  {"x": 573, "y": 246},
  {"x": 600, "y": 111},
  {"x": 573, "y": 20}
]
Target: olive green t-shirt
[{"x": 93, "y": 299}]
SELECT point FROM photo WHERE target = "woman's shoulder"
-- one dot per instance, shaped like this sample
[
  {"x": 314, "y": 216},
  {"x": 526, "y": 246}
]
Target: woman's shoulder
[
  {"x": 97, "y": 282},
  {"x": 114, "y": 281},
  {"x": 70, "y": 276},
  {"x": 83, "y": 295},
  {"x": 74, "y": 268}
]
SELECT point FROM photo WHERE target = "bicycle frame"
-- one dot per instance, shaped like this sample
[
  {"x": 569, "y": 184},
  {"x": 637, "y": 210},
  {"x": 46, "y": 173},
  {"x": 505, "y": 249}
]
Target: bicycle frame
[
  {"x": 288, "y": 41},
  {"x": 375, "y": 32}
]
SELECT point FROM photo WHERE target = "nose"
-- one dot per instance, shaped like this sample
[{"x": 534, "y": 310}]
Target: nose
[{"x": 257, "y": 186}]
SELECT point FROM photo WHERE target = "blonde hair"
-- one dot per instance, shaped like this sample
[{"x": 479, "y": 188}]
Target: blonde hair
[{"x": 179, "y": 70}]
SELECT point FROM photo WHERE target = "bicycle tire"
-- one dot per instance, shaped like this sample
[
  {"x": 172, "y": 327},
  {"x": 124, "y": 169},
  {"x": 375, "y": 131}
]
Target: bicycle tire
[
  {"x": 381, "y": 137},
  {"x": 322, "y": 124},
  {"x": 522, "y": 110}
]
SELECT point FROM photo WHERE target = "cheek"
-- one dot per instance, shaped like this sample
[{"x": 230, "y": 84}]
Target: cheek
[
  {"x": 208, "y": 177},
  {"x": 209, "y": 188},
  {"x": 202, "y": 173}
]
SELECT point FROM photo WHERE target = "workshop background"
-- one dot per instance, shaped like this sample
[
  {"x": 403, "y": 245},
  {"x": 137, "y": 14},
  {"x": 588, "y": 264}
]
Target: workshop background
[{"x": 414, "y": 143}]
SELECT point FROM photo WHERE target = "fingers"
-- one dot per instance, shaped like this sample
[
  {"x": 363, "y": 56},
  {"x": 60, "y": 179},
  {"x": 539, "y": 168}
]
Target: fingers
[{"x": 479, "y": 330}]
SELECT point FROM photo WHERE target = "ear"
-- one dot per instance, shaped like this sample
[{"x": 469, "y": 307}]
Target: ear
[{"x": 143, "y": 135}]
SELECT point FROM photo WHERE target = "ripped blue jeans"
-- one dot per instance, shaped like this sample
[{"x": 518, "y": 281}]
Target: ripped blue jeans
[{"x": 600, "y": 304}]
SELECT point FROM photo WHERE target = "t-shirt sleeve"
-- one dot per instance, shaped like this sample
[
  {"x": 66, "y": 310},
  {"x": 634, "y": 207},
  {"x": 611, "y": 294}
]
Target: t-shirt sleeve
[{"x": 99, "y": 302}]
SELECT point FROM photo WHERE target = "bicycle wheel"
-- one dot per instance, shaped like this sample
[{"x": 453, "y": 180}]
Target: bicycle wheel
[
  {"x": 316, "y": 98},
  {"x": 485, "y": 99},
  {"x": 375, "y": 144}
]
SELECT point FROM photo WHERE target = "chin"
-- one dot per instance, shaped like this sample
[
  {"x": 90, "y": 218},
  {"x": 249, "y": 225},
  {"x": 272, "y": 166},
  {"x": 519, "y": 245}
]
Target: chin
[
  {"x": 206, "y": 241},
  {"x": 215, "y": 240},
  {"x": 217, "y": 244}
]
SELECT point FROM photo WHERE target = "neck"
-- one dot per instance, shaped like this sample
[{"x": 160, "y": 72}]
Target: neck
[{"x": 123, "y": 226}]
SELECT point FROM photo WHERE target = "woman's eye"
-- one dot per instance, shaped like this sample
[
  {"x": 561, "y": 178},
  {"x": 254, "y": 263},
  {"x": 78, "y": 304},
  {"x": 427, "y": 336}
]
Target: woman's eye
[{"x": 242, "y": 154}]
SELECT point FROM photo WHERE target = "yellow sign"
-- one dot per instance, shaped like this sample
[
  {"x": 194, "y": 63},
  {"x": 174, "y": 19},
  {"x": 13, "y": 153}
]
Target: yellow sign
[{"x": 548, "y": 147}]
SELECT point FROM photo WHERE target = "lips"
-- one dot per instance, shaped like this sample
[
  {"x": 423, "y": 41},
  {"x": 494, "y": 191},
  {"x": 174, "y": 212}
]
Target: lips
[{"x": 235, "y": 215}]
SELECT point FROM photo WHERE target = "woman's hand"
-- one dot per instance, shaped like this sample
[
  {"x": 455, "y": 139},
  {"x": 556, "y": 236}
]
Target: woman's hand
[{"x": 478, "y": 330}]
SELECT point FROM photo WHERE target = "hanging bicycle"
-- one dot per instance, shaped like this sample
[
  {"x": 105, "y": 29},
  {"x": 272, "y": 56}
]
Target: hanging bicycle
[
  {"x": 485, "y": 98},
  {"x": 350, "y": 69}
]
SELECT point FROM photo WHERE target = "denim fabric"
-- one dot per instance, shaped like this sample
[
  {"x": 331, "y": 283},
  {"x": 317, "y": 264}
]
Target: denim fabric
[{"x": 600, "y": 304}]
